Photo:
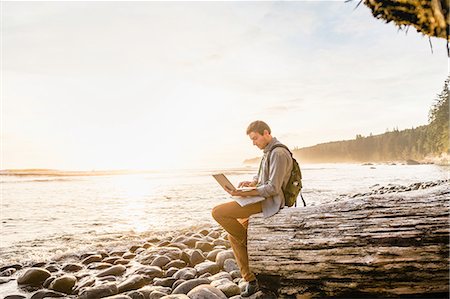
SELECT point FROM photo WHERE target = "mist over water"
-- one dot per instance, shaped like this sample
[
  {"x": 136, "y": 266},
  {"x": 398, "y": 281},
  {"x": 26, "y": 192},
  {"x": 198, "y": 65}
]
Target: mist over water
[{"x": 46, "y": 215}]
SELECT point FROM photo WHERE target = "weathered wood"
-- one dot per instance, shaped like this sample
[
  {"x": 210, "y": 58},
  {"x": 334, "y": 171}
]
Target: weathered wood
[{"x": 377, "y": 246}]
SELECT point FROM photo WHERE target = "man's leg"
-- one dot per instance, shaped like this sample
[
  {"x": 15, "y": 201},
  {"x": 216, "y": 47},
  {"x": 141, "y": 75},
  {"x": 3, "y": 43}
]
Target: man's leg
[{"x": 234, "y": 219}]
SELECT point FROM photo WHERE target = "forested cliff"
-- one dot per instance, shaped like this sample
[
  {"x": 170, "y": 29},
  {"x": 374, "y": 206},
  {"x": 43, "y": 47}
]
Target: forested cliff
[
  {"x": 421, "y": 143},
  {"x": 430, "y": 140}
]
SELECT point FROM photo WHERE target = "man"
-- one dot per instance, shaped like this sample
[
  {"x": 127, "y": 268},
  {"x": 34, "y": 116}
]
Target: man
[{"x": 269, "y": 182}]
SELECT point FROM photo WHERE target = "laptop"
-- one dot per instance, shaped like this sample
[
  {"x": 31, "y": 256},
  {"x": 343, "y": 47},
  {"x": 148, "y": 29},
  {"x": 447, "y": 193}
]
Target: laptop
[{"x": 227, "y": 185}]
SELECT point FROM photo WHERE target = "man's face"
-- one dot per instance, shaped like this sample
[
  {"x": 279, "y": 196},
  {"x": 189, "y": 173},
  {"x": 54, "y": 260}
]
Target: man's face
[{"x": 259, "y": 140}]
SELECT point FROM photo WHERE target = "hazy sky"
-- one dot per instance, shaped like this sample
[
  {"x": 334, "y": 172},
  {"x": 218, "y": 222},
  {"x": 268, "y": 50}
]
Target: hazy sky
[{"x": 114, "y": 85}]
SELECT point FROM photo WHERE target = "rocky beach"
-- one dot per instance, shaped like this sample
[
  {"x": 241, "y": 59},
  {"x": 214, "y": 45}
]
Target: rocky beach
[{"x": 191, "y": 263}]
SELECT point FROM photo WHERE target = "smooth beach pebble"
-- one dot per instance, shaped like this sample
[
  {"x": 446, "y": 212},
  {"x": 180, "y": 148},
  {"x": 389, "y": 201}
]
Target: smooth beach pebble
[
  {"x": 196, "y": 257},
  {"x": 186, "y": 286},
  {"x": 206, "y": 292},
  {"x": 228, "y": 287},
  {"x": 8, "y": 272},
  {"x": 114, "y": 270},
  {"x": 34, "y": 276},
  {"x": 92, "y": 259},
  {"x": 176, "y": 263},
  {"x": 230, "y": 265},
  {"x": 176, "y": 296},
  {"x": 99, "y": 291},
  {"x": 150, "y": 271},
  {"x": 136, "y": 295},
  {"x": 122, "y": 262},
  {"x": 160, "y": 261},
  {"x": 99, "y": 266},
  {"x": 171, "y": 271},
  {"x": 128, "y": 255},
  {"x": 120, "y": 296},
  {"x": 213, "y": 254},
  {"x": 111, "y": 259},
  {"x": 46, "y": 294},
  {"x": 165, "y": 282},
  {"x": 133, "y": 282},
  {"x": 207, "y": 267},
  {"x": 72, "y": 267},
  {"x": 224, "y": 255},
  {"x": 157, "y": 295},
  {"x": 204, "y": 246},
  {"x": 64, "y": 284},
  {"x": 185, "y": 273},
  {"x": 221, "y": 275},
  {"x": 15, "y": 297}
]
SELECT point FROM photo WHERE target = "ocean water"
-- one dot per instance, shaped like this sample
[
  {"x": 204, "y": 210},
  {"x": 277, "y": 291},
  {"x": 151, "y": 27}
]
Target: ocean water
[{"x": 46, "y": 216}]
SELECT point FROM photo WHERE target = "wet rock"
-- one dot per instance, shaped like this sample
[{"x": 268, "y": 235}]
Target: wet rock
[
  {"x": 52, "y": 268},
  {"x": 72, "y": 267},
  {"x": 190, "y": 242},
  {"x": 15, "y": 266},
  {"x": 133, "y": 282},
  {"x": 114, "y": 270},
  {"x": 185, "y": 273},
  {"x": 187, "y": 286},
  {"x": 47, "y": 294},
  {"x": 165, "y": 282},
  {"x": 38, "y": 264},
  {"x": 196, "y": 257},
  {"x": 8, "y": 272},
  {"x": 163, "y": 243},
  {"x": 204, "y": 246},
  {"x": 185, "y": 257},
  {"x": 48, "y": 281},
  {"x": 230, "y": 265},
  {"x": 223, "y": 256},
  {"x": 204, "y": 232},
  {"x": 14, "y": 296},
  {"x": 101, "y": 291},
  {"x": 99, "y": 266},
  {"x": 176, "y": 263},
  {"x": 150, "y": 271},
  {"x": 227, "y": 287},
  {"x": 34, "y": 276},
  {"x": 160, "y": 261},
  {"x": 83, "y": 283},
  {"x": 64, "y": 284},
  {"x": 207, "y": 267},
  {"x": 92, "y": 259},
  {"x": 206, "y": 292}
]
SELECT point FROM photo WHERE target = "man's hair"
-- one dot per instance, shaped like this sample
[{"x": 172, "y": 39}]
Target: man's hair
[{"x": 258, "y": 126}]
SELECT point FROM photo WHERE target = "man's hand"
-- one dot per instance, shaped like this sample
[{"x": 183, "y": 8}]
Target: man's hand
[
  {"x": 243, "y": 193},
  {"x": 247, "y": 184}
]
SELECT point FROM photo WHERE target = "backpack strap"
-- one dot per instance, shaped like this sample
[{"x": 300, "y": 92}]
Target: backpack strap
[{"x": 268, "y": 164}]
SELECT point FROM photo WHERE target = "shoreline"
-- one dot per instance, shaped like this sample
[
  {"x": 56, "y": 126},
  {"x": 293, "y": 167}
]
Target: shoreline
[{"x": 132, "y": 248}]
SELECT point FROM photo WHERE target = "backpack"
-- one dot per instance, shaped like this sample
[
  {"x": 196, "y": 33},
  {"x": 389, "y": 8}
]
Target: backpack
[{"x": 294, "y": 185}]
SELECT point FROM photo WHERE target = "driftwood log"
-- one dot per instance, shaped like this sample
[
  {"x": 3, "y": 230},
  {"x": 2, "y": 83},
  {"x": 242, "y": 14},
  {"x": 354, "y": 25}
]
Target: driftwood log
[{"x": 371, "y": 247}]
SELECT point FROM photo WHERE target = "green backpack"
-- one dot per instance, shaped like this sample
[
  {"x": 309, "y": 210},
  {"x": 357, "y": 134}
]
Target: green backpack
[{"x": 294, "y": 185}]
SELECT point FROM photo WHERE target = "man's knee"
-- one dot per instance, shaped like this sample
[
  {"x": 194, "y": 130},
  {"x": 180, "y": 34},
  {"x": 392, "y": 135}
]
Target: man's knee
[{"x": 216, "y": 212}]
